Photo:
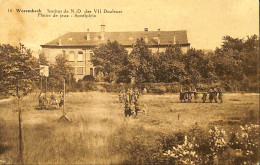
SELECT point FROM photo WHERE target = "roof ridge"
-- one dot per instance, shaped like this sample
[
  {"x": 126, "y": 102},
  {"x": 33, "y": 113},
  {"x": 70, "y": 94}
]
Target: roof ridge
[
  {"x": 127, "y": 31},
  {"x": 124, "y": 37}
]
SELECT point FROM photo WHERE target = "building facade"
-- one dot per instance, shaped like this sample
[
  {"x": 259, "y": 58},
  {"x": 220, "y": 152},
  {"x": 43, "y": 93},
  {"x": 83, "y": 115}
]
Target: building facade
[{"x": 79, "y": 45}]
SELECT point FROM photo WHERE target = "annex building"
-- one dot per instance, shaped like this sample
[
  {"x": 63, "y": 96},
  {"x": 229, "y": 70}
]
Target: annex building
[{"x": 79, "y": 45}]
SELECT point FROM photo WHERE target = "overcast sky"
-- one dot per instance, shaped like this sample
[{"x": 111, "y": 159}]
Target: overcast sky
[{"x": 206, "y": 21}]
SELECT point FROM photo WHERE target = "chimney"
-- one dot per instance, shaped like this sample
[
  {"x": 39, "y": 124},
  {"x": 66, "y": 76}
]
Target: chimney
[
  {"x": 59, "y": 40},
  {"x": 102, "y": 32},
  {"x": 88, "y": 34},
  {"x": 159, "y": 36},
  {"x": 174, "y": 39},
  {"x": 146, "y": 35}
]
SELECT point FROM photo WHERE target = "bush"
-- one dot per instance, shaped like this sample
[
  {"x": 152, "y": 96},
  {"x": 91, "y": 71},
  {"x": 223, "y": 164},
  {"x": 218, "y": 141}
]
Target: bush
[
  {"x": 214, "y": 146},
  {"x": 161, "y": 88},
  {"x": 88, "y": 78},
  {"x": 84, "y": 86}
]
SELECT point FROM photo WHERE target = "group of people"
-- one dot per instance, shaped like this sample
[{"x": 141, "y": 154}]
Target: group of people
[
  {"x": 130, "y": 99},
  {"x": 214, "y": 94},
  {"x": 45, "y": 103}
]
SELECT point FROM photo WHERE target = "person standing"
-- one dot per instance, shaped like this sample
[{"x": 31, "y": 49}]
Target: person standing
[
  {"x": 189, "y": 95},
  {"x": 195, "y": 95},
  {"x": 211, "y": 95},
  {"x": 41, "y": 100},
  {"x": 204, "y": 97},
  {"x": 220, "y": 95},
  {"x": 61, "y": 99}
]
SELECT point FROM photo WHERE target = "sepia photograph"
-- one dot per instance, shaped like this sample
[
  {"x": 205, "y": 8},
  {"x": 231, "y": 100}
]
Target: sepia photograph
[{"x": 129, "y": 82}]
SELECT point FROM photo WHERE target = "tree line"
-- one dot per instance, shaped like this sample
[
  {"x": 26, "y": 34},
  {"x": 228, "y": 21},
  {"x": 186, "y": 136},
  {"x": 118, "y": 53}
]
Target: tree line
[{"x": 233, "y": 65}]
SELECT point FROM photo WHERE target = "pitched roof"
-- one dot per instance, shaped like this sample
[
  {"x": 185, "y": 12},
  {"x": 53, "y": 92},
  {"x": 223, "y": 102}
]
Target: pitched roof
[{"x": 124, "y": 38}]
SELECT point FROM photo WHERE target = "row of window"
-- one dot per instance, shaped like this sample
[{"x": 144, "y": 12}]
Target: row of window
[
  {"x": 79, "y": 56},
  {"x": 80, "y": 71}
]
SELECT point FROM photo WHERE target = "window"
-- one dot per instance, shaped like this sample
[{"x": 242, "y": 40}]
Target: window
[
  {"x": 91, "y": 72},
  {"x": 71, "y": 56},
  {"x": 80, "y": 70},
  {"x": 80, "y": 56},
  {"x": 90, "y": 55}
]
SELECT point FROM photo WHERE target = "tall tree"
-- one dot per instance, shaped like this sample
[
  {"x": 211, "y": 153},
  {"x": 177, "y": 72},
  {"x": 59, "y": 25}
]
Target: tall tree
[
  {"x": 198, "y": 66},
  {"x": 168, "y": 65},
  {"x": 59, "y": 71},
  {"x": 111, "y": 59},
  {"x": 19, "y": 70},
  {"x": 236, "y": 61},
  {"x": 141, "y": 62},
  {"x": 42, "y": 59}
]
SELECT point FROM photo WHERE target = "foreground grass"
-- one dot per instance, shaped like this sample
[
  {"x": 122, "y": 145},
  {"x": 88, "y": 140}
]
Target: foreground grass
[{"x": 100, "y": 134}]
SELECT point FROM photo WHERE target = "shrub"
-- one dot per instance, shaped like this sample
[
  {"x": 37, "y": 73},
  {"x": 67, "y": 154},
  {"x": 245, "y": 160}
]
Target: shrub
[
  {"x": 214, "y": 146},
  {"x": 246, "y": 144},
  {"x": 83, "y": 86},
  {"x": 88, "y": 78}
]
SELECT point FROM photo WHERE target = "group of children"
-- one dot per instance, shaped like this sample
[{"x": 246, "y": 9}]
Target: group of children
[
  {"x": 214, "y": 94},
  {"x": 45, "y": 103},
  {"x": 130, "y": 100}
]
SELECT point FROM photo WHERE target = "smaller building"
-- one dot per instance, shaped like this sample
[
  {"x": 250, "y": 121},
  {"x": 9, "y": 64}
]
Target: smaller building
[{"x": 79, "y": 45}]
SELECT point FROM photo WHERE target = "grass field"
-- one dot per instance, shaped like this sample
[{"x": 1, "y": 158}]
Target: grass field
[{"x": 100, "y": 134}]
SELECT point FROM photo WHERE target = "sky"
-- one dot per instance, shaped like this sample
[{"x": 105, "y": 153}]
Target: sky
[{"x": 206, "y": 21}]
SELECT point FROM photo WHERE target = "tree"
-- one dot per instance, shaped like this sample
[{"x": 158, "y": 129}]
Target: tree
[
  {"x": 111, "y": 59},
  {"x": 19, "y": 70},
  {"x": 198, "y": 66},
  {"x": 42, "y": 59},
  {"x": 59, "y": 71},
  {"x": 141, "y": 63},
  {"x": 236, "y": 61},
  {"x": 168, "y": 65}
]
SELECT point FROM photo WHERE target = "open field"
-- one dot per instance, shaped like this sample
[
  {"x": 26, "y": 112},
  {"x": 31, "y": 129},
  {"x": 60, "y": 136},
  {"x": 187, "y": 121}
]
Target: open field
[{"x": 100, "y": 134}]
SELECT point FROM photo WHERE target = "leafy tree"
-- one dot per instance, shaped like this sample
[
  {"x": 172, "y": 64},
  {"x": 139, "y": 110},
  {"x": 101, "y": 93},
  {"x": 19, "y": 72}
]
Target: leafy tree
[
  {"x": 59, "y": 71},
  {"x": 111, "y": 59},
  {"x": 198, "y": 66},
  {"x": 141, "y": 62},
  {"x": 42, "y": 59},
  {"x": 230, "y": 43},
  {"x": 168, "y": 65},
  {"x": 236, "y": 61},
  {"x": 251, "y": 56},
  {"x": 19, "y": 70}
]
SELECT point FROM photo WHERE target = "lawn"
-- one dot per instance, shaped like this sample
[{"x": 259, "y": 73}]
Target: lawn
[{"x": 100, "y": 134}]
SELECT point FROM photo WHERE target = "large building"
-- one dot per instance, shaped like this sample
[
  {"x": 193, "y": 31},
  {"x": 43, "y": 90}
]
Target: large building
[{"x": 79, "y": 45}]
